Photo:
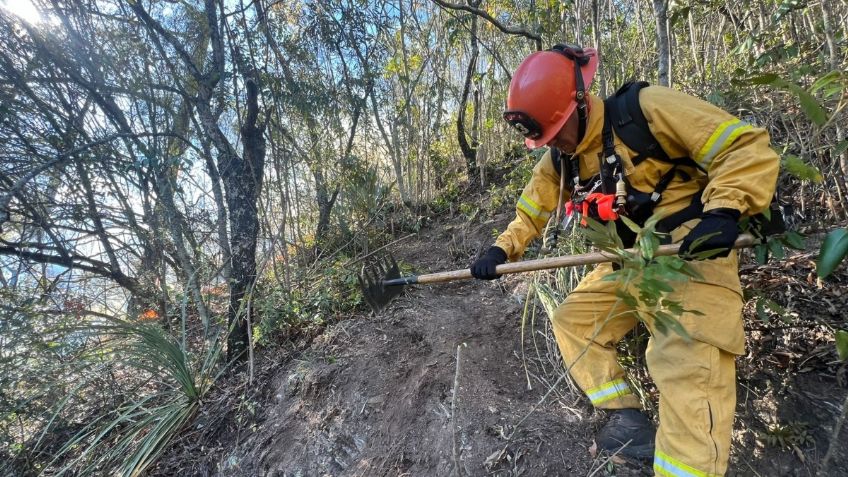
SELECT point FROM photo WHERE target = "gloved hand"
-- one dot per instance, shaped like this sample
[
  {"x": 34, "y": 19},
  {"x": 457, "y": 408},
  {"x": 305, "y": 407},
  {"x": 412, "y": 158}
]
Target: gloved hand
[
  {"x": 720, "y": 225},
  {"x": 484, "y": 267}
]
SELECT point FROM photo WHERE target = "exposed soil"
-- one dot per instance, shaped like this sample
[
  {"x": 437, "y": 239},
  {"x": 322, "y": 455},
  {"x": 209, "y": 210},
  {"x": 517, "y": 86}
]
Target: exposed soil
[{"x": 436, "y": 385}]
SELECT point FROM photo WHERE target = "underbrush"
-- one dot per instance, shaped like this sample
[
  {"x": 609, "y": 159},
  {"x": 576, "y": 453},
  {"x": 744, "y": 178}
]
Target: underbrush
[{"x": 327, "y": 293}]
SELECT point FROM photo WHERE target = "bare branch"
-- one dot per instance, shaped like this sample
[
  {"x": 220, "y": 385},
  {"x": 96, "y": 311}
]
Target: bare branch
[{"x": 500, "y": 26}]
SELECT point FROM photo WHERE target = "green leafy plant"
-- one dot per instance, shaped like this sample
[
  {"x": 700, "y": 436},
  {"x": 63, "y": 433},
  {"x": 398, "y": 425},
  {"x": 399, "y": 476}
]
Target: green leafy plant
[
  {"x": 799, "y": 168},
  {"x": 794, "y": 434},
  {"x": 645, "y": 279},
  {"x": 766, "y": 307},
  {"x": 329, "y": 289},
  {"x": 842, "y": 344},
  {"x": 832, "y": 252},
  {"x": 128, "y": 439},
  {"x": 811, "y": 107}
]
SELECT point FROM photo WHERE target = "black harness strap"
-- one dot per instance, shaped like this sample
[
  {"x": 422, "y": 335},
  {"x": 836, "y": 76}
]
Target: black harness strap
[
  {"x": 631, "y": 125},
  {"x": 623, "y": 114}
]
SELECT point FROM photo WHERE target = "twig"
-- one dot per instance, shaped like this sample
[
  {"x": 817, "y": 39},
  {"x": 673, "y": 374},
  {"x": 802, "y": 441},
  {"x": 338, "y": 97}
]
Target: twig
[
  {"x": 833, "y": 439},
  {"x": 454, "y": 425},
  {"x": 500, "y": 26},
  {"x": 355, "y": 260},
  {"x": 562, "y": 377},
  {"x": 609, "y": 458}
]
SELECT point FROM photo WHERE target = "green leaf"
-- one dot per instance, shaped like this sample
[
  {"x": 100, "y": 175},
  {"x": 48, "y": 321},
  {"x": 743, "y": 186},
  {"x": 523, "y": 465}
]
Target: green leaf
[
  {"x": 799, "y": 168},
  {"x": 767, "y": 78},
  {"x": 776, "y": 249},
  {"x": 811, "y": 107},
  {"x": 833, "y": 250},
  {"x": 809, "y": 104},
  {"x": 761, "y": 251},
  {"x": 648, "y": 244},
  {"x": 842, "y": 344},
  {"x": 787, "y": 6},
  {"x": 671, "y": 322},
  {"x": 795, "y": 240},
  {"x": 630, "y": 224},
  {"x": 840, "y": 148},
  {"x": 775, "y": 306},
  {"x": 657, "y": 285},
  {"x": 824, "y": 81},
  {"x": 627, "y": 298}
]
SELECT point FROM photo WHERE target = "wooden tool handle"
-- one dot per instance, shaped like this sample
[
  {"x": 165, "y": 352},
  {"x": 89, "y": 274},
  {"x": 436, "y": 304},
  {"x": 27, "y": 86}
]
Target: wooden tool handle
[{"x": 743, "y": 241}]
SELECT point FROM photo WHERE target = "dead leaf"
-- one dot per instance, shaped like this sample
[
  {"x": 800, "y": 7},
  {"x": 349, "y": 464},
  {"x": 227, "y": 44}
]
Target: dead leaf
[{"x": 593, "y": 449}]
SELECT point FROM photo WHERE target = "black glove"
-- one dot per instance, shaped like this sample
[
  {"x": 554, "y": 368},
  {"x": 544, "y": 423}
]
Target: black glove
[
  {"x": 720, "y": 226},
  {"x": 484, "y": 267}
]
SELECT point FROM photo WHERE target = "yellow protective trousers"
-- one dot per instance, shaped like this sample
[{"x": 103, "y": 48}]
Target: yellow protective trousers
[{"x": 696, "y": 379}]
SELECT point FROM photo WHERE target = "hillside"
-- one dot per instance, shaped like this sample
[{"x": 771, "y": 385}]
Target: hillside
[{"x": 384, "y": 395}]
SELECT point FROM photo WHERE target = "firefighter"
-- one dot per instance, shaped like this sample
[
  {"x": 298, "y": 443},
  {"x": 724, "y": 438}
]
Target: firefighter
[{"x": 710, "y": 170}]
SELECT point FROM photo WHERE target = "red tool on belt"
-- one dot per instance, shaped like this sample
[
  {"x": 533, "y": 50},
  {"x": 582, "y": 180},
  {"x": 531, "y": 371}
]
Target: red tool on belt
[{"x": 596, "y": 205}]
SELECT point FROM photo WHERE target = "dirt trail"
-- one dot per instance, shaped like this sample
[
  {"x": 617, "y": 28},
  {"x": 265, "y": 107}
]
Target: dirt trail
[{"x": 375, "y": 396}]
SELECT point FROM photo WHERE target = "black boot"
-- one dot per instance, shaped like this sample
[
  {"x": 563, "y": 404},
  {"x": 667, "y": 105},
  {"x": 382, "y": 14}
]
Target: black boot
[{"x": 630, "y": 429}]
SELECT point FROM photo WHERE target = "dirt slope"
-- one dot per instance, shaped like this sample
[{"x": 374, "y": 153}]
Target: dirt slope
[
  {"x": 383, "y": 395},
  {"x": 375, "y": 396}
]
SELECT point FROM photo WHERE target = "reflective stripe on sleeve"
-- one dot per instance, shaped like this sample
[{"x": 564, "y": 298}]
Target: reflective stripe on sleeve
[
  {"x": 723, "y": 136},
  {"x": 608, "y": 391},
  {"x": 670, "y": 467},
  {"x": 531, "y": 208}
]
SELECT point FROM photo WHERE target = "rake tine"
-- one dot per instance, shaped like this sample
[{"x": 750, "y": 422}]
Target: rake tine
[
  {"x": 367, "y": 289},
  {"x": 373, "y": 278},
  {"x": 363, "y": 281}
]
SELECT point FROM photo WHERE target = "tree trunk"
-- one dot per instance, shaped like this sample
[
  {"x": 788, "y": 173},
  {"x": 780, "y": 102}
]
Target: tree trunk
[
  {"x": 833, "y": 53},
  {"x": 663, "y": 51},
  {"x": 326, "y": 200},
  {"x": 243, "y": 183},
  {"x": 596, "y": 37},
  {"x": 469, "y": 151}
]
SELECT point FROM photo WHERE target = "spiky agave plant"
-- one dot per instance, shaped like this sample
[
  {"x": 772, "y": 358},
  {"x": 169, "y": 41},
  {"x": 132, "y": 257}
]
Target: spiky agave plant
[{"x": 127, "y": 440}]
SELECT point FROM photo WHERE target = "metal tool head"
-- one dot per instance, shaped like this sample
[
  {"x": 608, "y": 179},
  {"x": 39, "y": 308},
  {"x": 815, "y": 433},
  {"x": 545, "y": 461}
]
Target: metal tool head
[{"x": 372, "y": 280}]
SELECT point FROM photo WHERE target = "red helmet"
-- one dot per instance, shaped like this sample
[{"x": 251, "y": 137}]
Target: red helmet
[{"x": 543, "y": 92}]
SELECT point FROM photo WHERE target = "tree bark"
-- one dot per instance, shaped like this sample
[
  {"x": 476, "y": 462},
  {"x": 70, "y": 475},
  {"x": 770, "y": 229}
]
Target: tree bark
[
  {"x": 242, "y": 178},
  {"x": 663, "y": 51},
  {"x": 596, "y": 37},
  {"x": 469, "y": 151},
  {"x": 833, "y": 54}
]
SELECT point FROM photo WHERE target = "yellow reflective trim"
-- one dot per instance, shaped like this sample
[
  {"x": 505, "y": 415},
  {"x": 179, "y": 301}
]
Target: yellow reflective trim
[
  {"x": 530, "y": 201},
  {"x": 668, "y": 466},
  {"x": 723, "y": 136},
  {"x": 531, "y": 208},
  {"x": 608, "y": 391},
  {"x": 526, "y": 210},
  {"x": 714, "y": 137}
]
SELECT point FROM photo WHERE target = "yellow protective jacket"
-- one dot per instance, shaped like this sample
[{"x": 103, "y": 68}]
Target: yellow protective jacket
[{"x": 741, "y": 168}]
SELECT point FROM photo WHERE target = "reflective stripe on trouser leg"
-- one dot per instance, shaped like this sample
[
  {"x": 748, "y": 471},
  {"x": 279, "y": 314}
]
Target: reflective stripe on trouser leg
[
  {"x": 697, "y": 384},
  {"x": 586, "y": 326},
  {"x": 608, "y": 391}
]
